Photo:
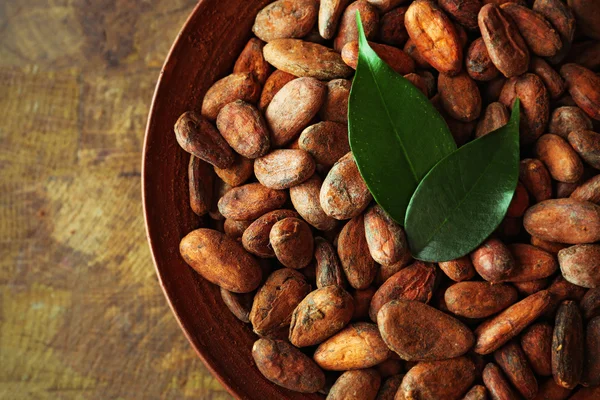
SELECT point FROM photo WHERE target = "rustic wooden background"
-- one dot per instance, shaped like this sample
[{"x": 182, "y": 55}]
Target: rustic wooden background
[{"x": 82, "y": 315}]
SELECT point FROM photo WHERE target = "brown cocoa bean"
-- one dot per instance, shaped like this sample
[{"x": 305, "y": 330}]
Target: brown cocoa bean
[
  {"x": 386, "y": 5},
  {"x": 478, "y": 62},
  {"x": 415, "y": 282},
  {"x": 537, "y": 32},
  {"x": 429, "y": 80},
  {"x": 580, "y": 265},
  {"x": 320, "y": 315},
  {"x": 286, "y": 19},
  {"x": 344, "y": 193},
  {"x": 535, "y": 104},
  {"x": 220, "y": 260},
  {"x": 362, "y": 384},
  {"x": 567, "y": 119},
  {"x": 588, "y": 190},
  {"x": 591, "y": 393},
  {"x": 357, "y": 346},
  {"x": 496, "y": 116},
  {"x": 531, "y": 287},
  {"x": 411, "y": 49},
  {"x": 460, "y": 96},
  {"x": 385, "y": 238},
  {"x": 326, "y": 142},
  {"x": 256, "y": 237},
  {"x": 196, "y": 135},
  {"x": 584, "y": 87},
  {"x": 242, "y": 86},
  {"x": 562, "y": 161},
  {"x": 238, "y": 303},
  {"x": 284, "y": 168},
  {"x": 591, "y": 368},
  {"x": 359, "y": 267},
  {"x": 505, "y": 45},
  {"x": 434, "y": 35},
  {"x": 235, "y": 229},
  {"x": 562, "y": 19},
  {"x": 477, "y": 392},
  {"x": 390, "y": 367},
  {"x": 201, "y": 183},
  {"x": 587, "y": 15},
  {"x": 491, "y": 91},
  {"x": 493, "y": 261},
  {"x": 330, "y": 12},
  {"x": 552, "y": 79},
  {"x": 567, "y": 345},
  {"x": 417, "y": 81},
  {"x": 305, "y": 198},
  {"x": 586, "y": 54},
  {"x": 386, "y": 271},
  {"x": 590, "y": 304},
  {"x": 329, "y": 271},
  {"x": 335, "y": 107},
  {"x": 250, "y": 201},
  {"x": 418, "y": 332},
  {"x": 292, "y": 108},
  {"x": 306, "y": 59},
  {"x": 496, "y": 383},
  {"x": 519, "y": 203},
  {"x": 388, "y": 389},
  {"x": 431, "y": 380},
  {"x": 458, "y": 270},
  {"x": 509, "y": 323},
  {"x": 511, "y": 359},
  {"x": 292, "y": 242},
  {"x": 237, "y": 173},
  {"x": 347, "y": 31},
  {"x": 464, "y": 12},
  {"x": 536, "y": 342},
  {"x": 479, "y": 299},
  {"x": 561, "y": 290},
  {"x": 587, "y": 145},
  {"x": 286, "y": 366},
  {"x": 276, "y": 300},
  {"x": 274, "y": 83},
  {"x": 535, "y": 177},
  {"x": 564, "y": 221},
  {"x": 251, "y": 60},
  {"x": 244, "y": 129},
  {"x": 391, "y": 28},
  {"x": 532, "y": 263},
  {"x": 397, "y": 59}
]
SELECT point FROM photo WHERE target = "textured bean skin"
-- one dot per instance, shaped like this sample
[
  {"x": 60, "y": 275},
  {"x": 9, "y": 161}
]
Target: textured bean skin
[
  {"x": 287, "y": 366},
  {"x": 437, "y": 39}
]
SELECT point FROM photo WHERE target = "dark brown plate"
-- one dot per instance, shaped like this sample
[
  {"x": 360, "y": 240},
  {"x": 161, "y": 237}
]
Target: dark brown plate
[{"x": 205, "y": 50}]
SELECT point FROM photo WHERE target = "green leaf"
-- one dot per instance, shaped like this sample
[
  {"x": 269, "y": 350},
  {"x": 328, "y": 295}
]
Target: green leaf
[
  {"x": 464, "y": 198},
  {"x": 395, "y": 133}
]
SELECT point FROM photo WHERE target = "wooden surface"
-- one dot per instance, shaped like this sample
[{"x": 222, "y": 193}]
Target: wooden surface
[{"x": 82, "y": 315}]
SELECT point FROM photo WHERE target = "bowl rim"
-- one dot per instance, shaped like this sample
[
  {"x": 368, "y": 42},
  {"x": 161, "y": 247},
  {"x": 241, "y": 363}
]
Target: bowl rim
[{"x": 149, "y": 123}]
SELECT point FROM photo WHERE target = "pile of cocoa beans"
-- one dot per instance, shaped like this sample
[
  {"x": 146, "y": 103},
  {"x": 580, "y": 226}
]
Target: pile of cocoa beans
[{"x": 325, "y": 277}]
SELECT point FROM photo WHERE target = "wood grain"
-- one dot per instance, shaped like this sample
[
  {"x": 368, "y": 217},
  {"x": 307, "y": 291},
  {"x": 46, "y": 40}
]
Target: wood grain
[{"x": 81, "y": 313}]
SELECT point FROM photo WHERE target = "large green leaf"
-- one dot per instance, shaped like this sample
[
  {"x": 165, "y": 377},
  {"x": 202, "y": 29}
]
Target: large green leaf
[
  {"x": 463, "y": 199},
  {"x": 395, "y": 133}
]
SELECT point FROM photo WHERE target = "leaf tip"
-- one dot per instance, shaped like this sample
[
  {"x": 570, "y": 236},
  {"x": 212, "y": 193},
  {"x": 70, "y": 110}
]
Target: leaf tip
[{"x": 362, "y": 39}]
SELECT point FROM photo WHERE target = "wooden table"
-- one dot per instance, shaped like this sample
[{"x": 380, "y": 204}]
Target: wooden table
[{"x": 82, "y": 315}]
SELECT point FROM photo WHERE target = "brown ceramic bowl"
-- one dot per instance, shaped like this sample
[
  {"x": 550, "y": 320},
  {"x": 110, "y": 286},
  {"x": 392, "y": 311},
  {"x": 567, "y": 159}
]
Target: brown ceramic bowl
[{"x": 204, "y": 51}]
